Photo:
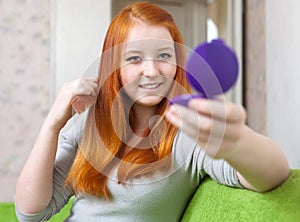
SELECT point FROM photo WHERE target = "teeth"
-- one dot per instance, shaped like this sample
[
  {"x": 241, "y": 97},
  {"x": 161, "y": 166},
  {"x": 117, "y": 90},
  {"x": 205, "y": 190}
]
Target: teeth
[{"x": 150, "y": 86}]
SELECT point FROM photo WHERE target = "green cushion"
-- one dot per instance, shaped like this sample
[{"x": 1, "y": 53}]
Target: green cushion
[
  {"x": 7, "y": 213},
  {"x": 216, "y": 202}
]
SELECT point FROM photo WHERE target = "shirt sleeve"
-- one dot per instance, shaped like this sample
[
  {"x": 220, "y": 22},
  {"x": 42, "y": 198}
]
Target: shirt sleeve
[
  {"x": 218, "y": 169},
  {"x": 221, "y": 171},
  {"x": 202, "y": 164},
  {"x": 66, "y": 151}
]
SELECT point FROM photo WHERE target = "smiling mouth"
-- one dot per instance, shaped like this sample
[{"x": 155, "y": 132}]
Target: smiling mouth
[{"x": 150, "y": 85}]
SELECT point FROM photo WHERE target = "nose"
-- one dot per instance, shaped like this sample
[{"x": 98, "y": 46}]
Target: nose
[{"x": 150, "y": 68}]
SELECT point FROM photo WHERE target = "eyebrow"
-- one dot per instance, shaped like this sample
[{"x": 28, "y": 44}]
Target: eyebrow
[
  {"x": 137, "y": 51},
  {"x": 167, "y": 48},
  {"x": 132, "y": 51}
]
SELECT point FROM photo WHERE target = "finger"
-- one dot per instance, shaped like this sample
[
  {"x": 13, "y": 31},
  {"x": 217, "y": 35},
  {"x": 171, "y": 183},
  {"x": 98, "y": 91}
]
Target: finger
[
  {"x": 211, "y": 145},
  {"x": 208, "y": 107},
  {"x": 81, "y": 103},
  {"x": 87, "y": 90},
  {"x": 89, "y": 81},
  {"x": 175, "y": 117},
  {"x": 209, "y": 142},
  {"x": 190, "y": 118},
  {"x": 90, "y": 78},
  {"x": 88, "y": 86},
  {"x": 195, "y": 121},
  {"x": 80, "y": 82},
  {"x": 218, "y": 108},
  {"x": 196, "y": 126},
  {"x": 201, "y": 122},
  {"x": 82, "y": 91}
]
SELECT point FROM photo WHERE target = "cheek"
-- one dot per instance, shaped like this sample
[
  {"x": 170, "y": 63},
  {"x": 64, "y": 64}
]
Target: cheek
[
  {"x": 169, "y": 71},
  {"x": 126, "y": 76}
]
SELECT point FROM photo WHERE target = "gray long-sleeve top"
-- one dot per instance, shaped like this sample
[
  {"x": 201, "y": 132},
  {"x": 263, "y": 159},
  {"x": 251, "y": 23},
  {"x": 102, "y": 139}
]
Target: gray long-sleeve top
[{"x": 154, "y": 198}]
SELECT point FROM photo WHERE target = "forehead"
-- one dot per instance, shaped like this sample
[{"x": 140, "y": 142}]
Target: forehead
[
  {"x": 143, "y": 35},
  {"x": 143, "y": 30}
]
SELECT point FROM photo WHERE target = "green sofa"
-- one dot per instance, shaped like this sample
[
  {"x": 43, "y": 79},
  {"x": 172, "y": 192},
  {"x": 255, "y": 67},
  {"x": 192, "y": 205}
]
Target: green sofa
[{"x": 214, "y": 202}]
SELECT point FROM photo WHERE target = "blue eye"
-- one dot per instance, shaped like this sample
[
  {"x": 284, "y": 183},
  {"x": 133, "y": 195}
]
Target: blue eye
[
  {"x": 134, "y": 59},
  {"x": 164, "y": 56}
]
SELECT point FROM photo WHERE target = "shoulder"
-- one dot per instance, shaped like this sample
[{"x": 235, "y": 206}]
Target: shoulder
[
  {"x": 185, "y": 149},
  {"x": 73, "y": 130},
  {"x": 183, "y": 139},
  {"x": 183, "y": 143},
  {"x": 69, "y": 138}
]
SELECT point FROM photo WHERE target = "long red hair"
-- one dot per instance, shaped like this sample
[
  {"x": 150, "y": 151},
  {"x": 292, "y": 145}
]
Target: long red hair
[{"x": 106, "y": 129}]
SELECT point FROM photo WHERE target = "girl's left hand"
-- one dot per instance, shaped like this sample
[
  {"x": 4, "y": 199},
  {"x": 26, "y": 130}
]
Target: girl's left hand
[{"x": 217, "y": 125}]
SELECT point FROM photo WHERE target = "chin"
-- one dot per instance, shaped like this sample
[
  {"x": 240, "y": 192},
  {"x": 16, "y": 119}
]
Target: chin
[{"x": 150, "y": 101}]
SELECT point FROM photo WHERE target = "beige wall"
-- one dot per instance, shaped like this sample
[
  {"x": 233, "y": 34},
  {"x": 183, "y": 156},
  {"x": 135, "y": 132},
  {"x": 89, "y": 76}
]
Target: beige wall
[
  {"x": 24, "y": 83},
  {"x": 78, "y": 34},
  {"x": 272, "y": 46},
  {"x": 255, "y": 64},
  {"x": 42, "y": 44},
  {"x": 283, "y": 76}
]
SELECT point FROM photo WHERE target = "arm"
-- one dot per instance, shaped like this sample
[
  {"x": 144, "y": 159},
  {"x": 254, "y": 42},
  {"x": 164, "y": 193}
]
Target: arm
[
  {"x": 35, "y": 184},
  {"x": 260, "y": 163},
  {"x": 219, "y": 127}
]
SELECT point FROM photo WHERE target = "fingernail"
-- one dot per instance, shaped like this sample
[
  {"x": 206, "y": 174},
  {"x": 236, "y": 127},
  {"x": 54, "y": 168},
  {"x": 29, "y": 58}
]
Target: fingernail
[
  {"x": 172, "y": 109},
  {"x": 171, "y": 112},
  {"x": 194, "y": 104}
]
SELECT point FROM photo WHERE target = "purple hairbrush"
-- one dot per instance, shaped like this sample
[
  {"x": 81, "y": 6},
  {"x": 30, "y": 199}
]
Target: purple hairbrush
[{"x": 211, "y": 69}]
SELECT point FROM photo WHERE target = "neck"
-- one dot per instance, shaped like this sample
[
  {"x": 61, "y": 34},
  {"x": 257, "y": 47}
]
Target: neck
[{"x": 143, "y": 115}]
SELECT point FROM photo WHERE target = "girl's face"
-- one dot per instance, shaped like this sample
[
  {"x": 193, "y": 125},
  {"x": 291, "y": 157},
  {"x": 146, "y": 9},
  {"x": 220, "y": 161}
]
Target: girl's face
[{"x": 148, "y": 64}]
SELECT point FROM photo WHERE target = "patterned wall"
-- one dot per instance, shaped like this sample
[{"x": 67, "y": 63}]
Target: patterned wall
[{"x": 25, "y": 83}]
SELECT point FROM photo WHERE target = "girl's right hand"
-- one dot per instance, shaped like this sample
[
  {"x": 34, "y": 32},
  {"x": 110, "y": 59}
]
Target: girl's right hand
[{"x": 85, "y": 88}]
